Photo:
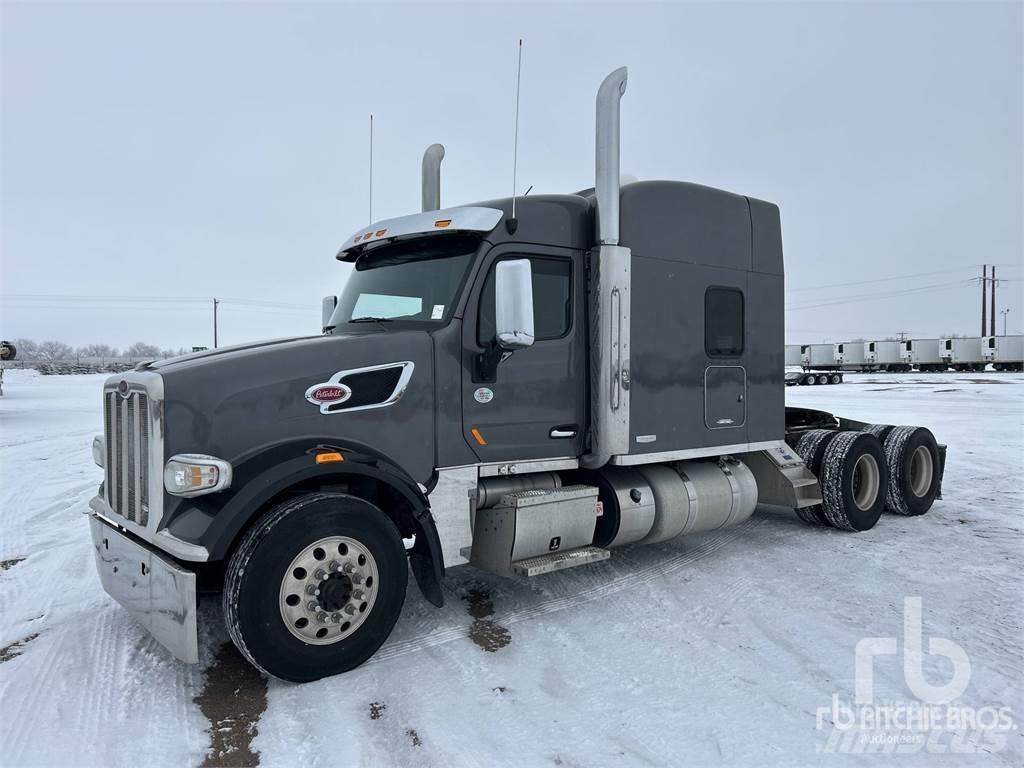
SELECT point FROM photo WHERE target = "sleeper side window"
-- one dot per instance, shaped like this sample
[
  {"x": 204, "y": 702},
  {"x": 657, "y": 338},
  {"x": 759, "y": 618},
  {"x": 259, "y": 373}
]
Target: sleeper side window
[
  {"x": 723, "y": 322},
  {"x": 552, "y": 301}
]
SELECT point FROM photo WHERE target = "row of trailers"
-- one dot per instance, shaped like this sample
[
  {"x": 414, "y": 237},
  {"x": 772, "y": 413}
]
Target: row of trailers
[{"x": 968, "y": 353}]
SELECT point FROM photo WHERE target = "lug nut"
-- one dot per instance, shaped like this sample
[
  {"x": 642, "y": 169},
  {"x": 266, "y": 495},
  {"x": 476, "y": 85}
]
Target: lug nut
[
  {"x": 311, "y": 589},
  {"x": 335, "y": 565},
  {"x": 313, "y": 605},
  {"x": 336, "y": 617},
  {"x": 349, "y": 609},
  {"x": 348, "y": 568},
  {"x": 322, "y": 617},
  {"x": 320, "y": 573},
  {"x": 358, "y": 595},
  {"x": 357, "y": 578}
]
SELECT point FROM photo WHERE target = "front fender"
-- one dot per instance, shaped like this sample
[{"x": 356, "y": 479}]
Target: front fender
[{"x": 215, "y": 521}]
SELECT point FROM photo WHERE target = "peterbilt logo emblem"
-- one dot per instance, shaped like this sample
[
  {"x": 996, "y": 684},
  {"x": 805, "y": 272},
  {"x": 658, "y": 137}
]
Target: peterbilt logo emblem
[
  {"x": 122, "y": 388},
  {"x": 327, "y": 394}
]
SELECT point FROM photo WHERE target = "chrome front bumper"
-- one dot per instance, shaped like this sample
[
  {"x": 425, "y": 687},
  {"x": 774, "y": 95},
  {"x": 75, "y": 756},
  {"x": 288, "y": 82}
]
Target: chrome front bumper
[{"x": 157, "y": 592}]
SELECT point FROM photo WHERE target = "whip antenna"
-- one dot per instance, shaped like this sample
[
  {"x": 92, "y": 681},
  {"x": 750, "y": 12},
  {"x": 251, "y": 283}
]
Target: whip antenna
[
  {"x": 515, "y": 140},
  {"x": 371, "y": 168}
]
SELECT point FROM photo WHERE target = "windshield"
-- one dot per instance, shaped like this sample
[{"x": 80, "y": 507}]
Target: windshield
[{"x": 412, "y": 282}]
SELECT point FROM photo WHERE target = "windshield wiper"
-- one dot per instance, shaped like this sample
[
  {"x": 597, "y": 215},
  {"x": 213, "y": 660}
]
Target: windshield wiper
[{"x": 368, "y": 319}]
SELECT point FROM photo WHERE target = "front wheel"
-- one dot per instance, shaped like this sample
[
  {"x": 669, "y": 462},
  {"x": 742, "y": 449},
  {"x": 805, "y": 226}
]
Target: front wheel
[{"x": 315, "y": 586}]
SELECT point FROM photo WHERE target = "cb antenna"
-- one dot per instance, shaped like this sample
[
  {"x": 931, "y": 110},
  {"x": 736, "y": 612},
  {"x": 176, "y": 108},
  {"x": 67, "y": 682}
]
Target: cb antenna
[
  {"x": 371, "y": 168},
  {"x": 515, "y": 140}
]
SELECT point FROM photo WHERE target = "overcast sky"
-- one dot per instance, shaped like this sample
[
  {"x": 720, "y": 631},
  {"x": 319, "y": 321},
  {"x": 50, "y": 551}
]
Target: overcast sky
[{"x": 190, "y": 151}]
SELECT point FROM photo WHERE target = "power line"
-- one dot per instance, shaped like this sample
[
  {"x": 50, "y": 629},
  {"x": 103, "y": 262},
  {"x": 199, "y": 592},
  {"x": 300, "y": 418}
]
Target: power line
[
  {"x": 45, "y": 298},
  {"x": 883, "y": 295},
  {"x": 881, "y": 279}
]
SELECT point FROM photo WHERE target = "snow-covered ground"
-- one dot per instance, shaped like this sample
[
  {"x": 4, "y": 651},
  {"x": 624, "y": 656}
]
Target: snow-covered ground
[{"x": 713, "y": 649}]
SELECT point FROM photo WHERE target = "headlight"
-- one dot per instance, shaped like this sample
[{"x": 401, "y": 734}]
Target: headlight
[
  {"x": 193, "y": 474},
  {"x": 99, "y": 449}
]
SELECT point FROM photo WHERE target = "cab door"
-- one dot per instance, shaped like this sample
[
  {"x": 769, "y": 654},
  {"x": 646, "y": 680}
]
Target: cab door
[{"x": 536, "y": 404}]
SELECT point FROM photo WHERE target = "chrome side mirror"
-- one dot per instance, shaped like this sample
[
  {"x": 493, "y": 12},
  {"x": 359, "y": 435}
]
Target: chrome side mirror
[
  {"x": 513, "y": 304},
  {"x": 330, "y": 303}
]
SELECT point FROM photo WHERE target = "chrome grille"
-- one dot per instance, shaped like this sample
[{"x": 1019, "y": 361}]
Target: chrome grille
[{"x": 127, "y": 426}]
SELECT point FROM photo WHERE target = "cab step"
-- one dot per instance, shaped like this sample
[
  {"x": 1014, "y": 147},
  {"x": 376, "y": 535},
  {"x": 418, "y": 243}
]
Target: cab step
[{"x": 559, "y": 561}]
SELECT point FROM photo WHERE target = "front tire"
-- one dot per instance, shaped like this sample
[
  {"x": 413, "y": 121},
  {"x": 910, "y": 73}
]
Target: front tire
[{"x": 315, "y": 586}]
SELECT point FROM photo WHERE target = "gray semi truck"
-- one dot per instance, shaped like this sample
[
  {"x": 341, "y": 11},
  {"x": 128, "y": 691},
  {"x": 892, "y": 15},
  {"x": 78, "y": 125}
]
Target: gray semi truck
[{"x": 520, "y": 384}]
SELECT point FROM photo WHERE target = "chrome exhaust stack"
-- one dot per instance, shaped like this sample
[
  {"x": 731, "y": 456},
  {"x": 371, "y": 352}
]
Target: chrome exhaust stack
[
  {"x": 432, "y": 158},
  {"x": 606, "y": 186},
  {"x": 609, "y": 292}
]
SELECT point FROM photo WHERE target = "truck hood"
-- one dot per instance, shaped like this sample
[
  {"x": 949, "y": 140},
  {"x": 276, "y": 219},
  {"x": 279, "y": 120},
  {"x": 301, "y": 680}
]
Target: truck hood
[
  {"x": 232, "y": 401},
  {"x": 232, "y": 351}
]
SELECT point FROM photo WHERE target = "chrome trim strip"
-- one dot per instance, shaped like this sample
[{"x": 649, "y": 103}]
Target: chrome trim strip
[
  {"x": 169, "y": 543},
  {"x": 468, "y": 218},
  {"x": 691, "y": 453},
  {"x": 137, "y": 463},
  {"x": 497, "y": 468},
  {"x": 125, "y": 511}
]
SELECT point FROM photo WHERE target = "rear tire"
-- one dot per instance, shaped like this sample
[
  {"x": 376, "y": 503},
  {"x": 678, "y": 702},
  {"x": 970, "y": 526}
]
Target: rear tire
[
  {"x": 836, "y": 378},
  {"x": 823, "y": 378},
  {"x": 810, "y": 380},
  {"x": 265, "y": 597},
  {"x": 881, "y": 431},
  {"x": 915, "y": 470},
  {"x": 854, "y": 481},
  {"x": 811, "y": 448}
]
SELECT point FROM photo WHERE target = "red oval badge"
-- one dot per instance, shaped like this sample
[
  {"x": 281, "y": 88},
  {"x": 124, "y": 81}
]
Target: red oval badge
[{"x": 330, "y": 394}]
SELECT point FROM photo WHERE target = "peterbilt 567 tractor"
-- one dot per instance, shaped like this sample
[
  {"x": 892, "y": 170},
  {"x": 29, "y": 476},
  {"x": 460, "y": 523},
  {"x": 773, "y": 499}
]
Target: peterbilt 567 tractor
[{"x": 522, "y": 385}]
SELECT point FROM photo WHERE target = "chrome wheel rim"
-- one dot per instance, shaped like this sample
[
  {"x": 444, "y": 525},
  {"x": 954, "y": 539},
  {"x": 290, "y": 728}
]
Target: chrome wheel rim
[
  {"x": 328, "y": 590},
  {"x": 921, "y": 471},
  {"x": 866, "y": 480}
]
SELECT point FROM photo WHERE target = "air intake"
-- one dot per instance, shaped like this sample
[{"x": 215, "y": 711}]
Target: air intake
[{"x": 358, "y": 389}]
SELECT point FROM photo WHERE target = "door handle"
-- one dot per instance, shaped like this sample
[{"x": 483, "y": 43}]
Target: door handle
[{"x": 562, "y": 432}]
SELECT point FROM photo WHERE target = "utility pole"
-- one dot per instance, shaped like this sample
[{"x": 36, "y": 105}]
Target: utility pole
[
  {"x": 992, "y": 322},
  {"x": 1004, "y": 313},
  {"x": 984, "y": 288},
  {"x": 215, "y": 303}
]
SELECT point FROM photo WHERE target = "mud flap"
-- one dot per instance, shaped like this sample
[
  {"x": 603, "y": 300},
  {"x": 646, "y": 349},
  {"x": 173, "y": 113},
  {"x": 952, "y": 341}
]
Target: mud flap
[{"x": 427, "y": 560}]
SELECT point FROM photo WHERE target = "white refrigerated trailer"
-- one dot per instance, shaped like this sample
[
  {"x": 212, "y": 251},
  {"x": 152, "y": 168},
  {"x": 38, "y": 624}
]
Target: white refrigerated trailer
[
  {"x": 819, "y": 364},
  {"x": 1006, "y": 353},
  {"x": 884, "y": 356},
  {"x": 814, "y": 356},
  {"x": 793, "y": 355},
  {"x": 962, "y": 353},
  {"x": 849, "y": 355},
  {"x": 922, "y": 354}
]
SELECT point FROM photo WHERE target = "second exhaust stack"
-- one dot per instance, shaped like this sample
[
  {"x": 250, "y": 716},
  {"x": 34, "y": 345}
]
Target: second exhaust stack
[{"x": 432, "y": 158}]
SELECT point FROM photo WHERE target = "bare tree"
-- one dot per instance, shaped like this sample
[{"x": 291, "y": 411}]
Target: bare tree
[
  {"x": 141, "y": 349},
  {"x": 97, "y": 350},
  {"x": 27, "y": 349},
  {"x": 53, "y": 351}
]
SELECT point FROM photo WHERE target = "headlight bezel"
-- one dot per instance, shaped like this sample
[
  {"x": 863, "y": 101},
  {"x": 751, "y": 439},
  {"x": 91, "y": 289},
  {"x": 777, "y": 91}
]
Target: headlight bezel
[
  {"x": 99, "y": 450},
  {"x": 198, "y": 465}
]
